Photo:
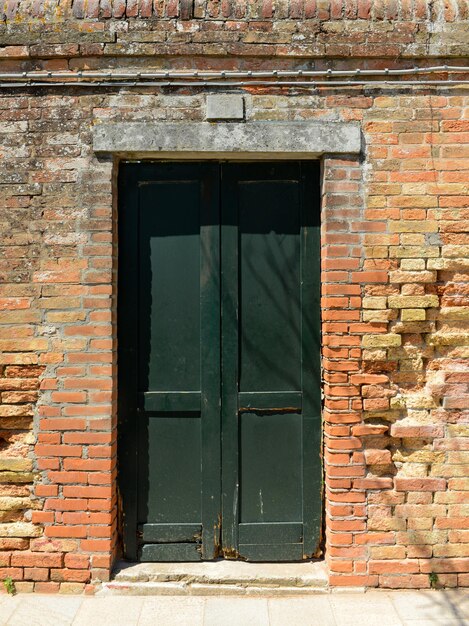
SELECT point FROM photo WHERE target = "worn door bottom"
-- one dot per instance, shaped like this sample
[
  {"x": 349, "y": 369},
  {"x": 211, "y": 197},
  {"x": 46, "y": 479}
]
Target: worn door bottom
[{"x": 217, "y": 577}]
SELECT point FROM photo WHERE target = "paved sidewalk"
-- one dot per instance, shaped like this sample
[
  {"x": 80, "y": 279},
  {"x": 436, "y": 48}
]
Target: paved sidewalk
[{"x": 397, "y": 608}]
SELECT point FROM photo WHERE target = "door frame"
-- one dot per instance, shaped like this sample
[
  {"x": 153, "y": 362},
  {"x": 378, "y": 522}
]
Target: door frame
[{"x": 338, "y": 145}]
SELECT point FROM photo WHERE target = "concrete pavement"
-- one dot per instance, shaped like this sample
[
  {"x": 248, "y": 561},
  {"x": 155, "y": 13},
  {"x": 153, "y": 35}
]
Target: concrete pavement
[{"x": 374, "y": 608}]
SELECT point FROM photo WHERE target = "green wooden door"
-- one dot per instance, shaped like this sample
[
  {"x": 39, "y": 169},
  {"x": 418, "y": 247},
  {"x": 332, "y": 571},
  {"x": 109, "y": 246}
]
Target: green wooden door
[{"x": 219, "y": 378}]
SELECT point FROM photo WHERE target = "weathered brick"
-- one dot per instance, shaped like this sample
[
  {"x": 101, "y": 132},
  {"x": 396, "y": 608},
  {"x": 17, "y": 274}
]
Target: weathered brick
[{"x": 395, "y": 246}]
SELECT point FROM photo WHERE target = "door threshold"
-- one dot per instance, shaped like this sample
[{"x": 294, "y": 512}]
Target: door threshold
[{"x": 217, "y": 578}]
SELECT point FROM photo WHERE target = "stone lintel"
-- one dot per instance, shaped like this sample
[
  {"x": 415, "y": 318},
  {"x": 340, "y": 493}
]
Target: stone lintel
[{"x": 217, "y": 140}]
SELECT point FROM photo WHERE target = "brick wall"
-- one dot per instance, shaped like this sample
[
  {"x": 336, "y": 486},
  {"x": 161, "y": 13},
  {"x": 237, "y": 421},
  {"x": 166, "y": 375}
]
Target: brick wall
[{"x": 395, "y": 284}]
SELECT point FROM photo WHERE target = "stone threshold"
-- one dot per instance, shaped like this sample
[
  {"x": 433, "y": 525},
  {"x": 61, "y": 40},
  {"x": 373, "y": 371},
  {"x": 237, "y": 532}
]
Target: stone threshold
[{"x": 220, "y": 577}]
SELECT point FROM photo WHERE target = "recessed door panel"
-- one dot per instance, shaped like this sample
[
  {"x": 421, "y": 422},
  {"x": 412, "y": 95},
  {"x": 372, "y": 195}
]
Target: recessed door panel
[
  {"x": 169, "y": 293},
  {"x": 174, "y": 443},
  {"x": 269, "y": 286},
  {"x": 270, "y": 468}
]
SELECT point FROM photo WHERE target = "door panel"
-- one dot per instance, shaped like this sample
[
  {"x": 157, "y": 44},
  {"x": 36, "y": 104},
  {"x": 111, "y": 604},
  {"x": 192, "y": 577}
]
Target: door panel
[
  {"x": 169, "y": 360},
  {"x": 219, "y": 405},
  {"x": 169, "y": 294},
  {"x": 270, "y": 380},
  {"x": 269, "y": 286},
  {"x": 175, "y": 495},
  {"x": 270, "y": 467}
]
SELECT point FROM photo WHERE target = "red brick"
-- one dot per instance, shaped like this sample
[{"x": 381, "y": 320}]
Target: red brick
[
  {"x": 16, "y": 573},
  {"x": 77, "y": 491},
  {"x": 69, "y": 504},
  {"x": 370, "y": 277},
  {"x": 361, "y": 580},
  {"x": 42, "y": 517},
  {"x": 70, "y": 575},
  {"x": 410, "y": 566},
  {"x": 420, "y": 484},
  {"x": 37, "y": 559},
  {"x": 68, "y": 396},
  {"x": 36, "y": 573},
  {"x": 46, "y": 490},
  {"x": 66, "y": 531},
  {"x": 61, "y": 451},
  {"x": 96, "y": 545}
]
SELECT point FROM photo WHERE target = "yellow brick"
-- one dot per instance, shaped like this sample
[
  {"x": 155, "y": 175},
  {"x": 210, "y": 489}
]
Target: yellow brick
[
  {"x": 386, "y": 523},
  {"x": 452, "y": 550},
  {"x": 381, "y": 341},
  {"x": 418, "y": 415},
  {"x": 413, "y": 470},
  {"x": 416, "y": 252},
  {"x": 17, "y": 345},
  {"x": 388, "y": 416},
  {"x": 421, "y": 538},
  {"x": 387, "y": 189},
  {"x": 413, "y": 302},
  {"x": 448, "y": 264},
  {"x": 455, "y": 312},
  {"x": 412, "y": 239},
  {"x": 24, "y": 587},
  {"x": 458, "y": 456},
  {"x": 388, "y": 552},
  {"x": 410, "y": 352},
  {"x": 374, "y": 302},
  {"x": 413, "y": 189},
  {"x": 412, "y": 264},
  {"x": 379, "y": 315},
  {"x": 455, "y": 251},
  {"x": 9, "y": 503},
  {"x": 450, "y": 339},
  {"x": 413, "y": 226},
  {"x": 376, "y": 202},
  {"x": 412, "y": 202},
  {"x": 445, "y": 470},
  {"x": 59, "y": 303},
  {"x": 411, "y": 328},
  {"x": 16, "y": 477},
  {"x": 65, "y": 316},
  {"x": 15, "y": 464},
  {"x": 374, "y": 355},
  {"x": 458, "y": 430},
  {"x": 413, "y": 315},
  {"x": 20, "y": 529},
  {"x": 401, "y": 276},
  {"x": 376, "y": 252},
  {"x": 458, "y": 189},
  {"x": 420, "y": 523},
  {"x": 421, "y": 402},
  {"x": 384, "y": 102},
  {"x": 19, "y": 316},
  {"x": 15, "y": 410},
  {"x": 381, "y": 239},
  {"x": 72, "y": 588}
]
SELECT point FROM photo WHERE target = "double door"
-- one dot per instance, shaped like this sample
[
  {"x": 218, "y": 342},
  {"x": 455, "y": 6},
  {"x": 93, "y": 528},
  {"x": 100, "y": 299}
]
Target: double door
[{"x": 219, "y": 371}]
